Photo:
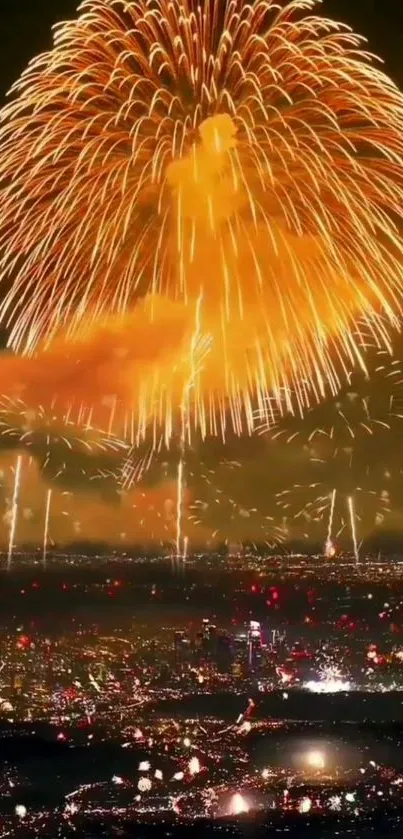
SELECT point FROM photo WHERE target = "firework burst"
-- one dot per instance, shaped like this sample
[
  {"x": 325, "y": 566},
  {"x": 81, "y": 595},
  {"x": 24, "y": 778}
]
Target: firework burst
[
  {"x": 61, "y": 447},
  {"x": 354, "y": 425},
  {"x": 352, "y": 468},
  {"x": 342, "y": 512},
  {"x": 224, "y": 505},
  {"x": 156, "y": 139}
]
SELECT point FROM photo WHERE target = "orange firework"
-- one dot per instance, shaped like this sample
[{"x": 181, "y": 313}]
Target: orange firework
[{"x": 244, "y": 155}]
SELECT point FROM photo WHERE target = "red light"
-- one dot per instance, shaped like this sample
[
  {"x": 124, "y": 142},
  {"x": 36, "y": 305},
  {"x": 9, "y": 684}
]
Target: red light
[
  {"x": 70, "y": 694},
  {"x": 301, "y": 655},
  {"x": 23, "y": 642},
  {"x": 343, "y": 621}
]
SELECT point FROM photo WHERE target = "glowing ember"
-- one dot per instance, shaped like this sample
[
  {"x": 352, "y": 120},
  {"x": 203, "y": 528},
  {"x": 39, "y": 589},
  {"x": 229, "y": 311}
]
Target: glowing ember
[
  {"x": 238, "y": 805},
  {"x": 315, "y": 759}
]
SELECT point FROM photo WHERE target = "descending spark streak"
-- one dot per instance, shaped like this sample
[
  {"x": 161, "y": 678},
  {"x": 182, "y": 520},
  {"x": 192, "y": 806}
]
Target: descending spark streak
[
  {"x": 46, "y": 529},
  {"x": 112, "y": 416},
  {"x": 329, "y": 547},
  {"x": 181, "y": 546},
  {"x": 14, "y": 509},
  {"x": 351, "y": 510},
  {"x": 179, "y": 502},
  {"x": 133, "y": 471}
]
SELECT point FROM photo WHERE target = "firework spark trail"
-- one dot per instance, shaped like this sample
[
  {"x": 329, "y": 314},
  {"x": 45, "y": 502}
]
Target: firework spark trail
[
  {"x": 46, "y": 528},
  {"x": 310, "y": 503},
  {"x": 345, "y": 444},
  {"x": 252, "y": 149},
  {"x": 14, "y": 510},
  {"x": 182, "y": 545},
  {"x": 179, "y": 501},
  {"x": 112, "y": 416},
  {"x": 329, "y": 547},
  {"x": 351, "y": 511},
  {"x": 29, "y": 426},
  {"x": 180, "y": 492},
  {"x": 223, "y": 505},
  {"x": 133, "y": 470}
]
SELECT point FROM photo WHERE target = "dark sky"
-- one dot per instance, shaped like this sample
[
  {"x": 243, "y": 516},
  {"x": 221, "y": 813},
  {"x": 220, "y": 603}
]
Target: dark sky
[{"x": 25, "y": 30}]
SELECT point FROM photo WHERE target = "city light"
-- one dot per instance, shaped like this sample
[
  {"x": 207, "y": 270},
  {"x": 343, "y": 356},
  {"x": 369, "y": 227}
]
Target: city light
[
  {"x": 327, "y": 686},
  {"x": 305, "y": 805}
]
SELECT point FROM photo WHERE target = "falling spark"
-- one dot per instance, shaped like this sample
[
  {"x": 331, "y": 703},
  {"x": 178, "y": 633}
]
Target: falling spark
[
  {"x": 112, "y": 416},
  {"x": 14, "y": 511},
  {"x": 353, "y": 530},
  {"x": 46, "y": 529},
  {"x": 35, "y": 426},
  {"x": 134, "y": 468},
  {"x": 179, "y": 501},
  {"x": 329, "y": 547},
  {"x": 182, "y": 544}
]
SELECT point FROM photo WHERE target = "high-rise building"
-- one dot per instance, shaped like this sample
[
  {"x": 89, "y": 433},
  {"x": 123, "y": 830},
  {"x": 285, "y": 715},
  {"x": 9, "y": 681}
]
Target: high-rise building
[
  {"x": 182, "y": 646},
  {"x": 224, "y": 652},
  {"x": 254, "y": 640}
]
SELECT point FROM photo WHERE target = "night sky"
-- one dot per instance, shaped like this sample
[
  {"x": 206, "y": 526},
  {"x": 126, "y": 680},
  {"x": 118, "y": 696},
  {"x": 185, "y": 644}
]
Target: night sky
[{"x": 25, "y": 28}]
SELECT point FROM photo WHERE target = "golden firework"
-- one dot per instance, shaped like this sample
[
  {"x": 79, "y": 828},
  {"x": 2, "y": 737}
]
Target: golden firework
[{"x": 244, "y": 155}]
